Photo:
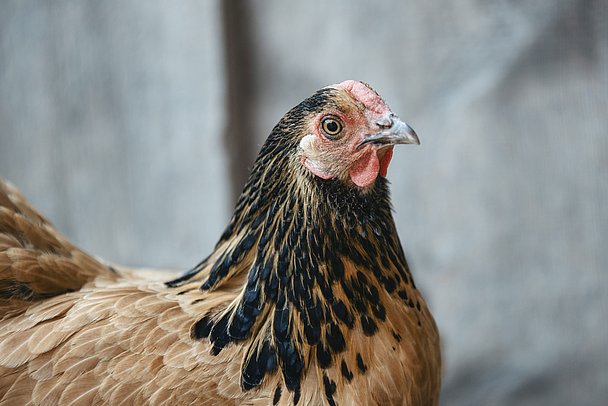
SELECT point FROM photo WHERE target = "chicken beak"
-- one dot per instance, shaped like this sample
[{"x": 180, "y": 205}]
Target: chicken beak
[{"x": 394, "y": 131}]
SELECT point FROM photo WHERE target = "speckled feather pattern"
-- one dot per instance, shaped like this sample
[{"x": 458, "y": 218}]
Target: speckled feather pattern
[{"x": 306, "y": 299}]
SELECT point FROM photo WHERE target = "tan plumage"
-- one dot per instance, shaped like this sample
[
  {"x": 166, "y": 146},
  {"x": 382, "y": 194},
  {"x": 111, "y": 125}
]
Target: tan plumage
[{"x": 306, "y": 298}]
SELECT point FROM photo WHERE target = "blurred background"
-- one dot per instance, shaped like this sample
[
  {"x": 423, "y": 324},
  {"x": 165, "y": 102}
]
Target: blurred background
[{"x": 132, "y": 126}]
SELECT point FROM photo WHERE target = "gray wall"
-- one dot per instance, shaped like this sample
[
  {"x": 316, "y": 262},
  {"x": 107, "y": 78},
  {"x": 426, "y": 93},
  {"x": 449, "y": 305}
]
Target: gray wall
[
  {"x": 111, "y": 119},
  {"x": 130, "y": 125}
]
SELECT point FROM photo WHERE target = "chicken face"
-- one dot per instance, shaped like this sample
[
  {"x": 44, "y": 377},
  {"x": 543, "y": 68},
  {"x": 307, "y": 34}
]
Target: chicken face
[{"x": 352, "y": 138}]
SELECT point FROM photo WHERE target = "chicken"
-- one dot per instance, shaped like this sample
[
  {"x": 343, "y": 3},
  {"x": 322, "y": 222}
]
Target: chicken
[{"x": 307, "y": 297}]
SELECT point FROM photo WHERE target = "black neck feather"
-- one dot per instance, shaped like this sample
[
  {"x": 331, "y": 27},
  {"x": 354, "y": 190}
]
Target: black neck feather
[{"x": 298, "y": 232}]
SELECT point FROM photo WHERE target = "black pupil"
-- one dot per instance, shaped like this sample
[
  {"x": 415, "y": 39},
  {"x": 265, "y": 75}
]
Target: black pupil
[{"x": 331, "y": 126}]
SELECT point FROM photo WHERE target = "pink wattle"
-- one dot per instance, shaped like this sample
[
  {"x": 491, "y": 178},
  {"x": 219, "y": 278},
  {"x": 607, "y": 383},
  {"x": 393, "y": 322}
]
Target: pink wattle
[
  {"x": 386, "y": 160},
  {"x": 365, "y": 171}
]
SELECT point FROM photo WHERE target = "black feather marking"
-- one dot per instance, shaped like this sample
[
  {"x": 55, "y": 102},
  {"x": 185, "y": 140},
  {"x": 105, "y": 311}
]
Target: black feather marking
[
  {"x": 256, "y": 367},
  {"x": 403, "y": 295},
  {"x": 326, "y": 289},
  {"x": 219, "y": 334},
  {"x": 346, "y": 373},
  {"x": 313, "y": 240},
  {"x": 335, "y": 339},
  {"x": 293, "y": 295},
  {"x": 369, "y": 326},
  {"x": 369, "y": 248},
  {"x": 265, "y": 270},
  {"x": 347, "y": 289},
  {"x": 283, "y": 264},
  {"x": 312, "y": 325},
  {"x": 12, "y": 288},
  {"x": 342, "y": 313},
  {"x": 360, "y": 364},
  {"x": 330, "y": 389},
  {"x": 208, "y": 284},
  {"x": 201, "y": 328},
  {"x": 281, "y": 324},
  {"x": 219, "y": 269},
  {"x": 390, "y": 284},
  {"x": 359, "y": 303},
  {"x": 258, "y": 220},
  {"x": 229, "y": 230},
  {"x": 357, "y": 258},
  {"x": 185, "y": 277},
  {"x": 381, "y": 277},
  {"x": 277, "y": 395},
  {"x": 292, "y": 364},
  {"x": 379, "y": 311},
  {"x": 241, "y": 323},
  {"x": 251, "y": 297},
  {"x": 337, "y": 268},
  {"x": 271, "y": 288},
  {"x": 385, "y": 261},
  {"x": 323, "y": 356},
  {"x": 296, "y": 396},
  {"x": 237, "y": 254}
]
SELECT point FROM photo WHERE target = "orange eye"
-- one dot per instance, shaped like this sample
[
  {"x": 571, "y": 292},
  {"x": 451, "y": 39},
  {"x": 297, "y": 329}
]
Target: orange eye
[{"x": 331, "y": 126}]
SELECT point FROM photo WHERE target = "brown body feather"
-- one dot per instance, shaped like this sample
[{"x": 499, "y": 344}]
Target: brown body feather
[{"x": 306, "y": 299}]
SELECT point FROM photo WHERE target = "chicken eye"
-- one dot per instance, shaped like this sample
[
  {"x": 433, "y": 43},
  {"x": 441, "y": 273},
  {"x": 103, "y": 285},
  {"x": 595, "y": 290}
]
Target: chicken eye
[{"x": 331, "y": 126}]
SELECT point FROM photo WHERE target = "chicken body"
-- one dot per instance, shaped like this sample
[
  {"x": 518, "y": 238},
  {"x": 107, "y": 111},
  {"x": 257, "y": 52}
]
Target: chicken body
[{"x": 306, "y": 299}]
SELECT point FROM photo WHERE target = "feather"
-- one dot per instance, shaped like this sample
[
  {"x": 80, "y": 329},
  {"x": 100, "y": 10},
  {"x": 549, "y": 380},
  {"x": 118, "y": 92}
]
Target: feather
[{"x": 307, "y": 297}]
